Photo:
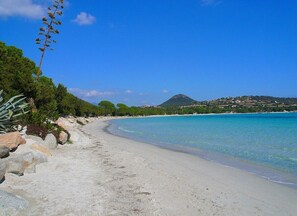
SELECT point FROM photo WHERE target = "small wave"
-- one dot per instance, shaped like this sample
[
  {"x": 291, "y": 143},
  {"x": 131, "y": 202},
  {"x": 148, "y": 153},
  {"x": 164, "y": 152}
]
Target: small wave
[
  {"x": 125, "y": 130},
  {"x": 284, "y": 158},
  {"x": 293, "y": 159},
  {"x": 280, "y": 181}
]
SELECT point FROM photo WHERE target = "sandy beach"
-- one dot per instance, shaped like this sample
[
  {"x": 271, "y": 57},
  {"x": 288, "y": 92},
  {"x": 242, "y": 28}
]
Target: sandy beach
[
  {"x": 180, "y": 184},
  {"x": 103, "y": 174}
]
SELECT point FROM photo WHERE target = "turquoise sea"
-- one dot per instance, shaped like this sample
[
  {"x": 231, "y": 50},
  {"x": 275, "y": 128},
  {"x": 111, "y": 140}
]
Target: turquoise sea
[{"x": 262, "y": 144}]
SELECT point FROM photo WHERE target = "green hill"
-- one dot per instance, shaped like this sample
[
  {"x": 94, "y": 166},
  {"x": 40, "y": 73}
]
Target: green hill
[{"x": 178, "y": 101}]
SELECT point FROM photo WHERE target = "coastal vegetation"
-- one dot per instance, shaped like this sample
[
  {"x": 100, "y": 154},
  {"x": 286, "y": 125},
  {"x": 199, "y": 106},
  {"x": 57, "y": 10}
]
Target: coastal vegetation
[
  {"x": 10, "y": 110},
  {"x": 17, "y": 76}
]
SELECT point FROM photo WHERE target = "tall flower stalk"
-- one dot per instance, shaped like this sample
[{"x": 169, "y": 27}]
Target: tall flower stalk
[{"x": 49, "y": 28}]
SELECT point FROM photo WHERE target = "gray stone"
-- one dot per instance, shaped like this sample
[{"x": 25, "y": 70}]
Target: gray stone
[
  {"x": 35, "y": 138},
  {"x": 38, "y": 156},
  {"x": 19, "y": 163},
  {"x": 4, "y": 151},
  {"x": 28, "y": 149},
  {"x": 11, "y": 204},
  {"x": 50, "y": 141},
  {"x": 3, "y": 166}
]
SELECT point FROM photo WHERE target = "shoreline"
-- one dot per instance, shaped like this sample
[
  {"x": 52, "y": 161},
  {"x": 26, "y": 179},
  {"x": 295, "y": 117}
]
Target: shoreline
[
  {"x": 189, "y": 180},
  {"x": 201, "y": 114},
  {"x": 260, "y": 170},
  {"x": 104, "y": 174}
]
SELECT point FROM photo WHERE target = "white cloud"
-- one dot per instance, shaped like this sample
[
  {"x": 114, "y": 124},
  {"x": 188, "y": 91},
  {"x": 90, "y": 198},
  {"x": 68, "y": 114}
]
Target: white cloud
[
  {"x": 84, "y": 18},
  {"x": 22, "y": 8},
  {"x": 210, "y": 2},
  {"x": 91, "y": 94},
  {"x": 128, "y": 91},
  {"x": 165, "y": 91}
]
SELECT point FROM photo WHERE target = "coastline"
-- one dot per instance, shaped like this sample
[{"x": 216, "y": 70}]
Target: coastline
[
  {"x": 266, "y": 172},
  {"x": 182, "y": 184},
  {"x": 104, "y": 174}
]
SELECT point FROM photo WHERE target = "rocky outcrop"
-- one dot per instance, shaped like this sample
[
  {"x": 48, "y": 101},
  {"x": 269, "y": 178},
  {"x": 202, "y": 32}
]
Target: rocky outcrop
[
  {"x": 4, "y": 151},
  {"x": 11, "y": 140},
  {"x": 11, "y": 204},
  {"x": 63, "y": 137},
  {"x": 50, "y": 141}
]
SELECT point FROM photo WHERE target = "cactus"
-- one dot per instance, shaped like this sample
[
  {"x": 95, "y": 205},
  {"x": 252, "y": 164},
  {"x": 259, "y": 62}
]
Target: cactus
[{"x": 14, "y": 107}]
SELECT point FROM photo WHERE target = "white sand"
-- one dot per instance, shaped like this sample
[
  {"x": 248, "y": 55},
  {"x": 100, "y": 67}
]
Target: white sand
[
  {"x": 181, "y": 184},
  {"x": 104, "y": 174}
]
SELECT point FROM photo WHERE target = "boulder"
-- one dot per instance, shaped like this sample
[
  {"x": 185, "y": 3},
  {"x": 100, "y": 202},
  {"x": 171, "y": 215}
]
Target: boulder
[
  {"x": 11, "y": 140},
  {"x": 39, "y": 152},
  {"x": 71, "y": 119},
  {"x": 61, "y": 124},
  {"x": 35, "y": 138},
  {"x": 40, "y": 148},
  {"x": 50, "y": 141},
  {"x": 39, "y": 157},
  {"x": 63, "y": 137},
  {"x": 16, "y": 160},
  {"x": 4, "y": 151},
  {"x": 19, "y": 163},
  {"x": 64, "y": 123},
  {"x": 3, "y": 166},
  {"x": 81, "y": 120},
  {"x": 35, "y": 148},
  {"x": 75, "y": 135},
  {"x": 11, "y": 204}
]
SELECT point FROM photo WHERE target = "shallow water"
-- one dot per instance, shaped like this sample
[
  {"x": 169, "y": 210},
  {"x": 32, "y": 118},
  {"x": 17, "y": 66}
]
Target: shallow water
[{"x": 263, "y": 144}]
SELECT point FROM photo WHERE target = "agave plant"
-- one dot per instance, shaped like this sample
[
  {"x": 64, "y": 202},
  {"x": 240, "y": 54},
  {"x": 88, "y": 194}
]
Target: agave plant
[{"x": 9, "y": 111}]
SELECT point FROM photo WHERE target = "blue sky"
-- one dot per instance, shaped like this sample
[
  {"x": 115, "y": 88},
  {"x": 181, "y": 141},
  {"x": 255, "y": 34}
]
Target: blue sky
[{"x": 141, "y": 52}]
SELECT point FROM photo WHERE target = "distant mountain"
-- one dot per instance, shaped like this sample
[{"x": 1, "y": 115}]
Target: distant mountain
[
  {"x": 250, "y": 101},
  {"x": 178, "y": 101},
  {"x": 236, "y": 104}
]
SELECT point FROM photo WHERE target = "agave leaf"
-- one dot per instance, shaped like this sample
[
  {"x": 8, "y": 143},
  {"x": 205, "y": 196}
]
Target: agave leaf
[{"x": 9, "y": 111}]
